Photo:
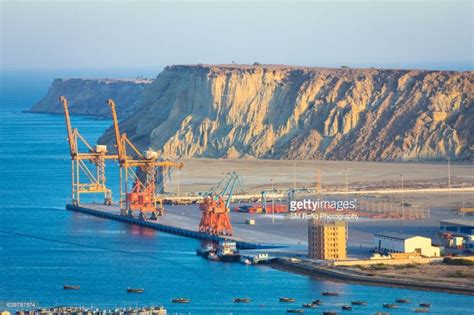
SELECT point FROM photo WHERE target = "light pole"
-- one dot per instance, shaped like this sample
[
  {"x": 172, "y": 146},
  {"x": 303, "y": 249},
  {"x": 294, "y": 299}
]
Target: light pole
[
  {"x": 294, "y": 175},
  {"x": 347, "y": 186},
  {"x": 273, "y": 202},
  {"x": 179, "y": 189},
  {"x": 449, "y": 176},
  {"x": 403, "y": 200}
]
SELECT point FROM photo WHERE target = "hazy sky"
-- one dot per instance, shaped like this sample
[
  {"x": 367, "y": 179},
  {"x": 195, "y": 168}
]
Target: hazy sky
[{"x": 129, "y": 34}]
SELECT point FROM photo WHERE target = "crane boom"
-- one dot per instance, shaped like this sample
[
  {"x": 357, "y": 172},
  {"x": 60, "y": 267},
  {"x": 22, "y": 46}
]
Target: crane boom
[
  {"x": 70, "y": 132},
  {"x": 118, "y": 137}
]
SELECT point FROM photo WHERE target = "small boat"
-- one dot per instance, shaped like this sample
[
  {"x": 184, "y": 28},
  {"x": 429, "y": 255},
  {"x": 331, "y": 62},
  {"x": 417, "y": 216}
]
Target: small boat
[
  {"x": 71, "y": 287},
  {"x": 135, "y": 290},
  {"x": 180, "y": 300},
  {"x": 241, "y": 300},
  {"x": 364, "y": 303},
  {"x": 212, "y": 257},
  {"x": 287, "y": 300},
  {"x": 309, "y": 305},
  {"x": 327, "y": 293},
  {"x": 425, "y": 304},
  {"x": 295, "y": 310},
  {"x": 388, "y": 305},
  {"x": 317, "y": 302},
  {"x": 346, "y": 308},
  {"x": 421, "y": 310},
  {"x": 245, "y": 261},
  {"x": 402, "y": 301}
]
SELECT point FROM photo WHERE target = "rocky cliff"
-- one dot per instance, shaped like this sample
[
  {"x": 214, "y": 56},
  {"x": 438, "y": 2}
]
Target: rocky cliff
[
  {"x": 88, "y": 97},
  {"x": 305, "y": 113}
]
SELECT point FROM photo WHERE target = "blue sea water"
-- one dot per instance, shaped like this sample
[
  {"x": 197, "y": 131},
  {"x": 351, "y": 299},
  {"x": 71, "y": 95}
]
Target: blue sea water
[{"x": 43, "y": 246}]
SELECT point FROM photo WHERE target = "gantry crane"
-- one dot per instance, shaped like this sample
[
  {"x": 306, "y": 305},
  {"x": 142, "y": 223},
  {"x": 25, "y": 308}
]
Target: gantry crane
[
  {"x": 96, "y": 155},
  {"x": 138, "y": 175},
  {"x": 215, "y": 217}
]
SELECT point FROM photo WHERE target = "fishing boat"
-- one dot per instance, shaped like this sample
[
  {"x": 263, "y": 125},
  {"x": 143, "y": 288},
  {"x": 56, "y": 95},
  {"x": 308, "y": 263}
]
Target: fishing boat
[
  {"x": 346, "y": 308},
  {"x": 295, "y": 310},
  {"x": 327, "y": 293},
  {"x": 180, "y": 300},
  {"x": 402, "y": 301},
  {"x": 359, "y": 303},
  {"x": 388, "y": 305},
  {"x": 309, "y": 305},
  {"x": 241, "y": 300},
  {"x": 287, "y": 300},
  {"x": 71, "y": 287},
  {"x": 421, "y": 310},
  {"x": 425, "y": 304},
  {"x": 135, "y": 290}
]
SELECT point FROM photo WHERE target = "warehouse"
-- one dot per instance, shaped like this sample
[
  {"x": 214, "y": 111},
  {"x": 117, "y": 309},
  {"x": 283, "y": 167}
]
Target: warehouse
[
  {"x": 458, "y": 226},
  {"x": 388, "y": 242}
]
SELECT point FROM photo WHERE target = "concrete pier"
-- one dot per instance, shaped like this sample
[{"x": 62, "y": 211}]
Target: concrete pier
[{"x": 113, "y": 213}]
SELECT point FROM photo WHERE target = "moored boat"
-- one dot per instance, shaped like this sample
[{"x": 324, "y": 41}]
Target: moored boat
[
  {"x": 421, "y": 310},
  {"x": 71, "y": 287},
  {"x": 241, "y": 300},
  {"x": 295, "y": 310},
  {"x": 388, "y": 305},
  {"x": 227, "y": 251},
  {"x": 425, "y": 304},
  {"x": 135, "y": 290},
  {"x": 317, "y": 302},
  {"x": 309, "y": 305},
  {"x": 359, "y": 303},
  {"x": 287, "y": 300},
  {"x": 346, "y": 308},
  {"x": 327, "y": 293},
  {"x": 180, "y": 300},
  {"x": 402, "y": 301},
  {"x": 329, "y": 313}
]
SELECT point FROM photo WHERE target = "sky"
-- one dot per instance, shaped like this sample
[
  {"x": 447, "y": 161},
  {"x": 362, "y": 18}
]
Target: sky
[{"x": 146, "y": 34}]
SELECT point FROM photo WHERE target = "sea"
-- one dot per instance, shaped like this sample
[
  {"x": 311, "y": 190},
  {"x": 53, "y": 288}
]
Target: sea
[{"x": 43, "y": 246}]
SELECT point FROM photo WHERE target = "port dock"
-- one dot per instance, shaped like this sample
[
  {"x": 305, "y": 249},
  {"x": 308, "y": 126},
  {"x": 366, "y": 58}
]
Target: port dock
[{"x": 171, "y": 223}]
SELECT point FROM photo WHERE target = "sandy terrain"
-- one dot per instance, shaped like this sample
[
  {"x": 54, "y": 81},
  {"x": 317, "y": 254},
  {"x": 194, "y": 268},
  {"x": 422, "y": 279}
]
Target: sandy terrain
[{"x": 444, "y": 273}]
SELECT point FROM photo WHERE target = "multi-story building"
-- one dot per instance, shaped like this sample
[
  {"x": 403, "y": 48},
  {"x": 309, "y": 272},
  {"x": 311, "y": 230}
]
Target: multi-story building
[{"x": 327, "y": 240}]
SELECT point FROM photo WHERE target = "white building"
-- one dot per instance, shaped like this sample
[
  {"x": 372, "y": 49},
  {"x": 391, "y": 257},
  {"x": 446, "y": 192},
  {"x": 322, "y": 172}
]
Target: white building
[{"x": 388, "y": 242}]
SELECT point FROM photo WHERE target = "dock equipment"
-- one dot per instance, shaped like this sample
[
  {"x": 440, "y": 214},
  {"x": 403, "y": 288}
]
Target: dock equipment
[
  {"x": 215, "y": 209},
  {"x": 138, "y": 175},
  {"x": 95, "y": 180}
]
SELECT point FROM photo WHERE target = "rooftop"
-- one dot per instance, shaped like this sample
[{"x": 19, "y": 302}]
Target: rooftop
[
  {"x": 462, "y": 222},
  {"x": 398, "y": 236}
]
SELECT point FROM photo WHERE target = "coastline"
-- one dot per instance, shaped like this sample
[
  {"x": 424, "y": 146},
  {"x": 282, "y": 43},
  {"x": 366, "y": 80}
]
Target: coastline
[{"x": 301, "y": 267}]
